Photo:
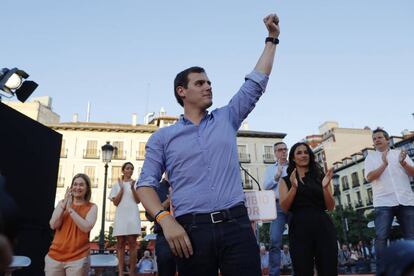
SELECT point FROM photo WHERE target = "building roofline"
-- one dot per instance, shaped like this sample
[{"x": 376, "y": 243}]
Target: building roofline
[
  {"x": 261, "y": 134},
  {"x": 109, "y": 127}
]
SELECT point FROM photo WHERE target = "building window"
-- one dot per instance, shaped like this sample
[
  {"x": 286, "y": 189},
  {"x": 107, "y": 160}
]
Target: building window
[
  {"x": 363, "y": 175},
  {"x": 247, "y": 181},
  {"x": 348, "y": 199},
  {"x": 60, "y": 180},
  {"x": 355, "y": 179},
  {"x": 268, "y": 156},
  {"x": 90, "y": 171},
  {"x": 359, "y": 199},
  {"x": 244, "y": 157},
  {"x": 116, "y": 173},
  {"x": 119, "y": 153},
  {"x": 63, "y": 150},
  {"x": 139, "y": 169},
  {"x": 345, "y": 184},
  {"x": 91, "y": 151},
  {"x": 141, "y": 151},
  {"x": 369, "y": 195}
]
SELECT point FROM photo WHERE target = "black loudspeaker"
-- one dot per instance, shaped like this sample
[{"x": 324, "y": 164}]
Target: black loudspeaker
[{"x": 29, "y": 161}]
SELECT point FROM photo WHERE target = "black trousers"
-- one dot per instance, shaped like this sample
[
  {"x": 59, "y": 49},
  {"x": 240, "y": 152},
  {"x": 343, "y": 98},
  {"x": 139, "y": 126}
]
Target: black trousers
[
  {"x": 165, "y": 258},
  {"x": 313, "y": 243},
  {"x": 229, "y": 246}
]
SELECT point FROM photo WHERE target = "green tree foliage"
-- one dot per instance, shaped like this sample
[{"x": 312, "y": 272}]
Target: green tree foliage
[
  {"x": 110, "y": 240},
  {"x": 357, "y": 225}
]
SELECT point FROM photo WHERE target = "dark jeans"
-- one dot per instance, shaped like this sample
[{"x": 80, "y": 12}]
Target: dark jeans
[
  {"x": 383, "y": 220},
  {"x": 276, "y": 232},
  {"x": 229, "y": 246},
  {"x": 165, "y": 259}
]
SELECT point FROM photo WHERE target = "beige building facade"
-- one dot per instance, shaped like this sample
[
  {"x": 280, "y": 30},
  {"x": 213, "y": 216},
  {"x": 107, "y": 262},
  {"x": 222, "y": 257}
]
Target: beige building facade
[
  {"x": 81, "y": 153},
  {"x": 39, "y": 109},
  {"x": 334, "y": 143}
]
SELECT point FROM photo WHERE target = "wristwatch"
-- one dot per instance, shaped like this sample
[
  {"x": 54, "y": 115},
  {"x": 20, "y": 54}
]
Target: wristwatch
[{"x": 274, "y": 40}]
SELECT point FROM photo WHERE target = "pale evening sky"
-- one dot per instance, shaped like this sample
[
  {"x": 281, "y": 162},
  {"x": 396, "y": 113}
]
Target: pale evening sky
[{"x": 350, "y": 61}]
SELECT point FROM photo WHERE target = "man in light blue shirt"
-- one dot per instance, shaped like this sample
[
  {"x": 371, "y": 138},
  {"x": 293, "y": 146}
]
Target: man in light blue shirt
[
  {"x": 211, "y": 229},
  {"x": 273, "y": 174}
]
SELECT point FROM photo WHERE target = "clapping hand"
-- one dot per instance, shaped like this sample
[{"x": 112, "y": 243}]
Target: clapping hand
[
  {"x": 403, "y": 155},
  {"x": 69, "y": 201},
  {"x": 327, "y": 179},
  {"x": 68, "y": 195},
  {"x": 384, "y": 157},
  {"x": 132, "y": 184},
  {"x": 120, "y": 184},
  {"x": 293, "y": 179}
]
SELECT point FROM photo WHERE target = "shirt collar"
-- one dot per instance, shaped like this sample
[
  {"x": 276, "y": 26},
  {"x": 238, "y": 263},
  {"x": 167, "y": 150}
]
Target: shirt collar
[{"x": 183, "y": 120}]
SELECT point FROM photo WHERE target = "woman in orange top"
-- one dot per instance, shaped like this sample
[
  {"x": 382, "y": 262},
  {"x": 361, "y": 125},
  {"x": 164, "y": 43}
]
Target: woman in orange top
[{"x": 72, "y": 220}]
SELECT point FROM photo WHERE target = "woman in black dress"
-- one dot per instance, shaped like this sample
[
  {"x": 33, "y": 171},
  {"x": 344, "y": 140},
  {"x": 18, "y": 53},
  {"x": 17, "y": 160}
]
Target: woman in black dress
[{"x": 306, "y": 193}]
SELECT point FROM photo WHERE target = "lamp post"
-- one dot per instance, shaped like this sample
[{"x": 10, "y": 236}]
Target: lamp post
[
  {"x": 337, "y": 194},
  {"x": 107, "y": 151}
]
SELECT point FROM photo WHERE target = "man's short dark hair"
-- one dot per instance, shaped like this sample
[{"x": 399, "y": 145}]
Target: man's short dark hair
[
  {"x": 182, "y": 80},
  {"x": 278, "y": 143},
  {"x": 386, "y": 135}
]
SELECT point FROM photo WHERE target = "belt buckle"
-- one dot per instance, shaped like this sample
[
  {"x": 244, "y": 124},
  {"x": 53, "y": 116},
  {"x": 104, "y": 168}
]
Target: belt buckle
[{"x": 212, "y": 217}]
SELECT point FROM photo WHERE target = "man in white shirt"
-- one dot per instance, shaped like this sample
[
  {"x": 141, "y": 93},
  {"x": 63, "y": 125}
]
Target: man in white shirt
[
  {"x": 389, "y": 170},
  {"x": 273, "y": 174}
]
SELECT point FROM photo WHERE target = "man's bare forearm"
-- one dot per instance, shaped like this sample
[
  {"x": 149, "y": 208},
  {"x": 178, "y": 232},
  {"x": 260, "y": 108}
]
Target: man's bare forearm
[
  {"x": 150, "y": 200},
  {"x": 265, "y": 62},
  {"x": 376, "y": 173}
]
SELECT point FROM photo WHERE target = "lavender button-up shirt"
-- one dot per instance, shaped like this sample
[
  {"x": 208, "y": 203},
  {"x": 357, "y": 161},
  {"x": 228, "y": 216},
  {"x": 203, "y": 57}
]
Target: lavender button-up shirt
[{"x": 202, "y": 161}]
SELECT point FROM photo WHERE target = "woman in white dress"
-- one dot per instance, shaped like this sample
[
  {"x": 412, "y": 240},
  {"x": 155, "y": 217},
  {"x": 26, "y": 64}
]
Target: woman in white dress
[{"x": 127, "y": 224}]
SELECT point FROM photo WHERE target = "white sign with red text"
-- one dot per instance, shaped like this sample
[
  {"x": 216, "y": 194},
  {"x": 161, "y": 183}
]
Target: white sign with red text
[{"x": 261, "y": 205}]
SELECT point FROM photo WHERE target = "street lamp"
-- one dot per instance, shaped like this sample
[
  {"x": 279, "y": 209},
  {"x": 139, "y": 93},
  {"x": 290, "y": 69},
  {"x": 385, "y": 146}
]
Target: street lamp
[
  {"x": 337, "y": 194},
  {"x": 107, "y": 151}
]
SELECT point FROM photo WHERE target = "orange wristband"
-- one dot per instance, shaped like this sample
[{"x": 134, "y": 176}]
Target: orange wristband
[{"x": 160, "y": 216}]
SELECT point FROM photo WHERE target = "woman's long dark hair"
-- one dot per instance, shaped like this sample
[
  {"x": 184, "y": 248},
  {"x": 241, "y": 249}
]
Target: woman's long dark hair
[{"x": 314, "y": 168}]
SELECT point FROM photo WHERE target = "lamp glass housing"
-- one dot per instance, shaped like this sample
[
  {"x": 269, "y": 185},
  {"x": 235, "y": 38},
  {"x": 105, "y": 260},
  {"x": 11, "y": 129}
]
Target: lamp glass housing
[
  {"x": 14, "y": 81},
  {"x": 107, "y": 151}
]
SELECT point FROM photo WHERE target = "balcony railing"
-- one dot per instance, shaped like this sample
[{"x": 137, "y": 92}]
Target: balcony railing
[
  {"x": 109, "y": 216},
  {"x": 268, "y": 158},
  {"x": 244, "y": 157},
  {"x": 119, "y": 155},
  {"x": 349, "y": 205},
  {"x": 358, "y": 204},
  {"x": 345, "y": 187},
  {"x": 355, "y": 184},
  {"x": 369, "y": 201},
  {"x": 91, "y": 154},
  {"x": 64, "y": 153},
  {"x": 60, "y": 182},
  {"x": 247, "y": 184},
  {"x": 140, "y": 155}
]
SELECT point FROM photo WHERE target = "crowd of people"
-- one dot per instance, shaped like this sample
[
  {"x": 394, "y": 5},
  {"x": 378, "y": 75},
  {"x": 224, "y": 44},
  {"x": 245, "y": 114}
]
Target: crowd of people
[{"x": 190, "y": 187}]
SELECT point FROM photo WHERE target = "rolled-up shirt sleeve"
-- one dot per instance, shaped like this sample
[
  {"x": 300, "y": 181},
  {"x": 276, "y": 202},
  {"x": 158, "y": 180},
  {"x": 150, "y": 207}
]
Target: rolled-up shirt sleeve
[
  {"x": 245, "y": 99},
  {"x": 154, "y": 165}
]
